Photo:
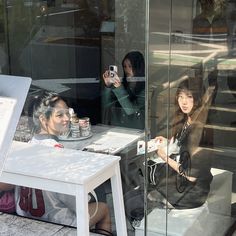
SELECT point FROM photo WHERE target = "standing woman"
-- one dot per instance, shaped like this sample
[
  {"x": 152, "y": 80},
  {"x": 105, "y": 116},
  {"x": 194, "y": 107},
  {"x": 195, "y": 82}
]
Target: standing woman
[
  {"x": 188, "y": 175},
  {"x": 51, "y": 119},
  {"x": 124, "y": 98}
]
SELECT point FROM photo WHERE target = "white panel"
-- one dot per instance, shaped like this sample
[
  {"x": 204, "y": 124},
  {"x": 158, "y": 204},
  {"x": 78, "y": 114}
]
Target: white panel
[{"x": 16, "y": 88}]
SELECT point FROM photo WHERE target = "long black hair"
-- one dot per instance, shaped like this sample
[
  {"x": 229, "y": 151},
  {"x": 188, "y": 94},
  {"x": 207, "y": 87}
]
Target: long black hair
[
  {"x": 138, "y": 66},
  {"x": 137, "y": 61},
  {"x": 195, "y": 86}
]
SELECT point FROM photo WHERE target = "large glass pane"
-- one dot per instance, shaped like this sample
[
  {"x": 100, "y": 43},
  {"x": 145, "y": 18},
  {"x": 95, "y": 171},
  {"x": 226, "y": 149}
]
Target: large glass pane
[
  {"x": 159, "y": 106},
  {"x": 129, "y": 44},
  {"x": 69, "y": 47},
  {"x": 175, "y": 62},
  {"x": 3, "y": 37},
  {"x": 193, "y": 44}
]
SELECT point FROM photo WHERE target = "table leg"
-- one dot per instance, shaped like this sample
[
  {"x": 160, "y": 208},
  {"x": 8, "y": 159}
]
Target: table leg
[
  {"x": 82, "y": 214},
  {"x": 118, "y": 201}
]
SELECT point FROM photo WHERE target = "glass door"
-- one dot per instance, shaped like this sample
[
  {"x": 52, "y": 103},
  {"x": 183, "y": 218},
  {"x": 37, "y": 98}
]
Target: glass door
[{"x": 192, "y": 105}]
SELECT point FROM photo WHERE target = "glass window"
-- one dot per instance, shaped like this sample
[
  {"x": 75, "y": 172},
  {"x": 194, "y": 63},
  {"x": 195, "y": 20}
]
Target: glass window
[
  {"x": 192, "y": 99},
  {"x": 150, "y": 81},
  {"x": 90, "y": 54}
]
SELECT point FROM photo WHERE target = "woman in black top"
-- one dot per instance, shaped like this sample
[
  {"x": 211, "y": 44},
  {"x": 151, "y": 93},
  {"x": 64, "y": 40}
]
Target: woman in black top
[{"x": 188, "y": 176}]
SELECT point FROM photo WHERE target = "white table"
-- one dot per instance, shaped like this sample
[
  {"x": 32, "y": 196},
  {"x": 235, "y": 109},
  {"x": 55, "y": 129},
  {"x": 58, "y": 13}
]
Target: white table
[
  {"x": 66, "y": 171},
  {"x": 112, "y": 140},
  {"x": 106, "y": 139}
]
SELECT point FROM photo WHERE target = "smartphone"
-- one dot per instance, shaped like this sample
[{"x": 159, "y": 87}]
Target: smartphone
[{"x": 112, "y": 71}]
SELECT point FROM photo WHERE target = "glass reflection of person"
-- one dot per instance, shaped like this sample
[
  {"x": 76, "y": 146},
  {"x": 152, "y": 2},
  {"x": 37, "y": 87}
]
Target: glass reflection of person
[
  {"x": 189, "y": 175},
  {"x": 124, "y": 99},
  {"x": 211, "y": 27},
  {"x": 211, "y": 22},
  {"x": 51, "y": 118},
  {"x": 123, "y": 103}
]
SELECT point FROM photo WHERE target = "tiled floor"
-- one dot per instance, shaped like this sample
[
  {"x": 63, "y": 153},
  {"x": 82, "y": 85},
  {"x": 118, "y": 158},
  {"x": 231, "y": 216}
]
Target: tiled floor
[{"x": 12, "y": 225}]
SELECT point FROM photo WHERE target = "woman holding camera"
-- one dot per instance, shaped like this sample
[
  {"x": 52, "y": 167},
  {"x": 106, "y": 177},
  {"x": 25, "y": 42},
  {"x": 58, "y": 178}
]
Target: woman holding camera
[{"x": 124, "y": 98}]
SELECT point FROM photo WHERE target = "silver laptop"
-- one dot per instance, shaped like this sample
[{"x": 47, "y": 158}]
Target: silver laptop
[{"x": 13, "y": 92}]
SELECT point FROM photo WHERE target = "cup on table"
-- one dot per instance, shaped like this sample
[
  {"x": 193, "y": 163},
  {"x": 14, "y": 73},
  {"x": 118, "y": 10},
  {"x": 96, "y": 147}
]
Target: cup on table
[{"x": 85, "y": 126}]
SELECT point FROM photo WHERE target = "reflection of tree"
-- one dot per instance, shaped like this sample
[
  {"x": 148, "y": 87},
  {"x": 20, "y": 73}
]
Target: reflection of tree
[
  {"x": 220, "y": 7},
  {"x": 1, "y": 20},
  {"x": 44, "y": 21},
  {"x": 231, "y": 21},
  {"x": 20, "y": 22},
  {"x": 130, "y": 30}
]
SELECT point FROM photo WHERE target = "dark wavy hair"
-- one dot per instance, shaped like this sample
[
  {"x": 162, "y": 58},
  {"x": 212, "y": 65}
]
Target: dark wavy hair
[{"x": 195, "y": 86}]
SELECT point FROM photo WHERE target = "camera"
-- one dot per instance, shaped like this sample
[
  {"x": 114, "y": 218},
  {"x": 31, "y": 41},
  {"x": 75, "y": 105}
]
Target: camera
[{"x": 112, "y": 71}]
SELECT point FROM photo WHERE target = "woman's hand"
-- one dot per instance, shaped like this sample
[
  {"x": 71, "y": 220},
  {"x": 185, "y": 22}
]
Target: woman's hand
[
  {"x": 117, "y": 82},
  {"x": 161, "y": 152},
  {"x": 162, "y": 145},
  {"x": 108, "y": 80},
  {"x": 160, "y": 140},
  {"x": 6, "y": 187}
]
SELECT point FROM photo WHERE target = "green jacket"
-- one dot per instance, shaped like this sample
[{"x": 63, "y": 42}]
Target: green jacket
[{"x": 120, "y": 110}]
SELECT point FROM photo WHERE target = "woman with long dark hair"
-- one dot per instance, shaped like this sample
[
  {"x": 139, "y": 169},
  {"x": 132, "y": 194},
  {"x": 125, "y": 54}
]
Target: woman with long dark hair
[
  {"x": 124, "y": 98},
  {"x": 187, "y": 176}
]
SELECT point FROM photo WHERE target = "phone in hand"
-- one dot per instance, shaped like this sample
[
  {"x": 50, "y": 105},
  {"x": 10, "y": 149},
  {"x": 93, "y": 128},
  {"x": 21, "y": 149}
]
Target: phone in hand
[{"x": 112, "y": 72}]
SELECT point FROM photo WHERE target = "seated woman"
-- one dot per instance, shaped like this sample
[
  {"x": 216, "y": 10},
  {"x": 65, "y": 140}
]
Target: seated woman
[
  {"x": 51, "y": 118},
  {"x": 188, "y": 177}
]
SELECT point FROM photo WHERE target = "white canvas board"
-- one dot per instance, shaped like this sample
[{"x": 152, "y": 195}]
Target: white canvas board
[{"x": 13, "y": 92}]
